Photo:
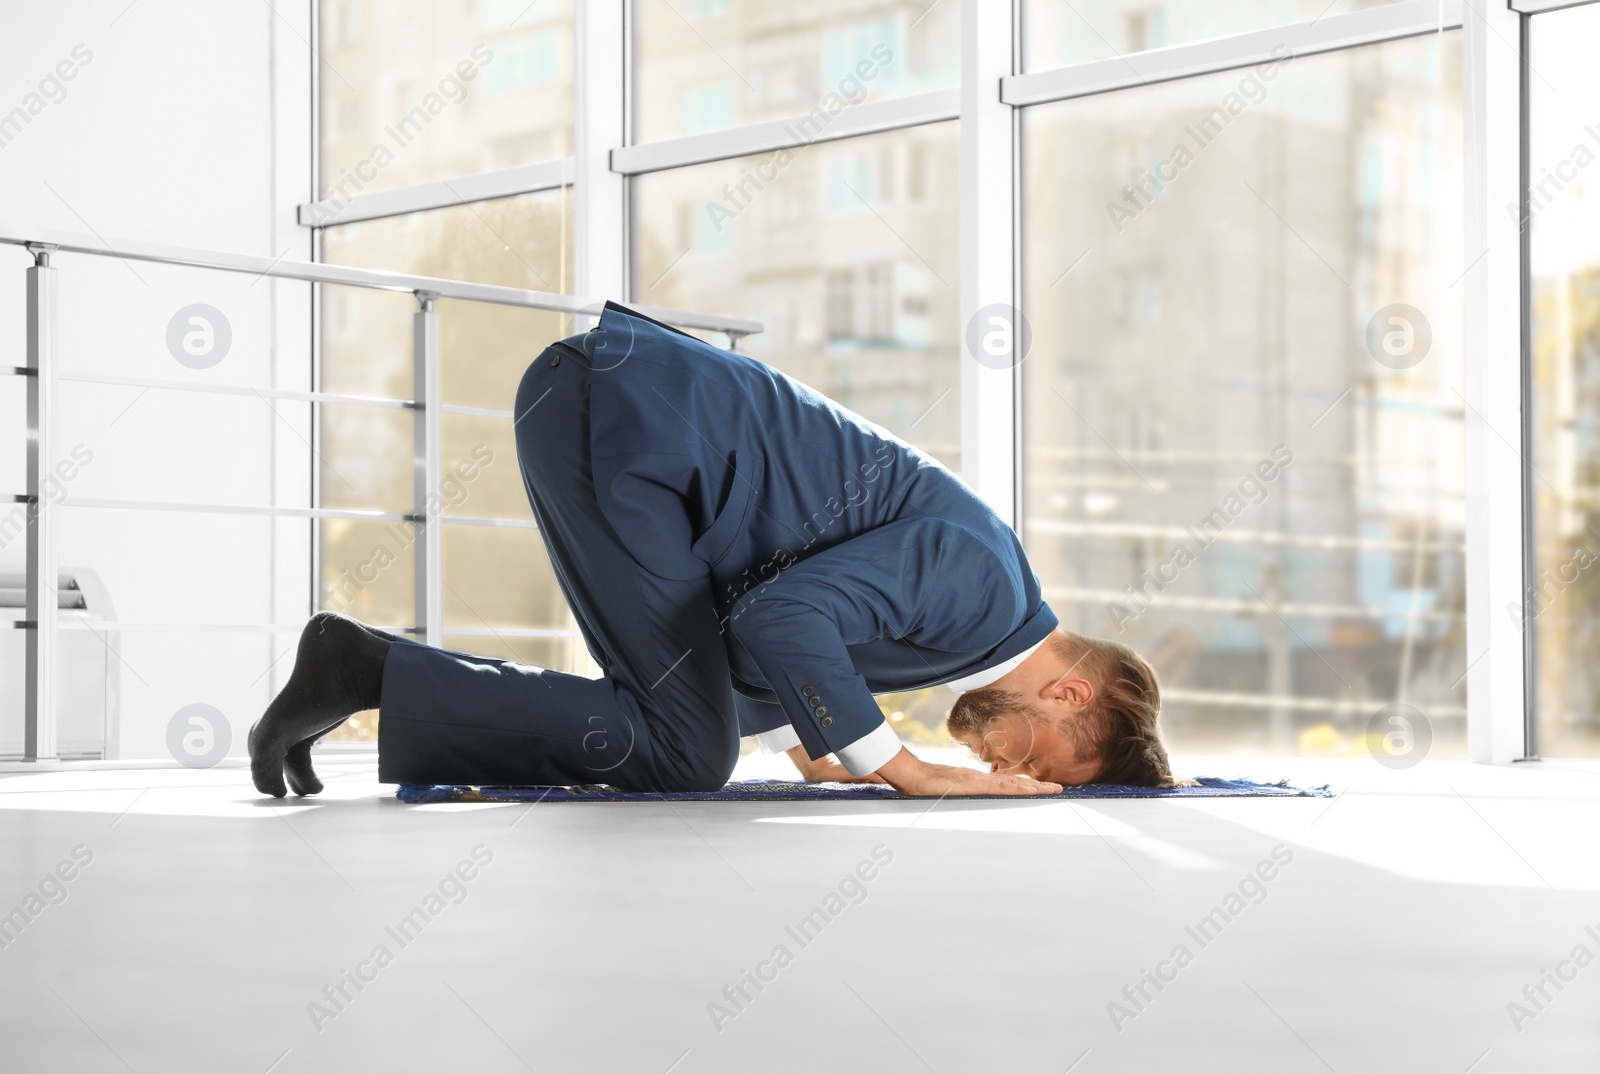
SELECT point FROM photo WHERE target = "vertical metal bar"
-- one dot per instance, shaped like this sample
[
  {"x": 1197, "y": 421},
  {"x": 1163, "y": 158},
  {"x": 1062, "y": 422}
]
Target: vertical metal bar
[
  {"x": 318, "y": 291},
  {"x": 39, "y": 714},
  {"x": 428, "y": 472},
  {"x": 313, "y": 459},
  {"x": 1018, "y": 176},
  {"x": 1530, "y": 547}
]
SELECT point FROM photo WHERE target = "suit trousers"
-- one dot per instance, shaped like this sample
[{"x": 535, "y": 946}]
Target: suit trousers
[{"x": 661, "y": 718}]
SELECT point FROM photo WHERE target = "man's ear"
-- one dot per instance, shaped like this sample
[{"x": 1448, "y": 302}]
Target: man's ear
[{"x": 1074, "y": 689}]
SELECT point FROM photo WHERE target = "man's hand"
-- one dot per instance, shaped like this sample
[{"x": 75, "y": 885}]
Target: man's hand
[
  {"x": 826, "y": 770},
  {"x": 909, "y": 775}
]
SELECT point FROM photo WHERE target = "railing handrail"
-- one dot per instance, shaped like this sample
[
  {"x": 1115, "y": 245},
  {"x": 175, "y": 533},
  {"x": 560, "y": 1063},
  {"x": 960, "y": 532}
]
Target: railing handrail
[{"x": 375, "y": 279}]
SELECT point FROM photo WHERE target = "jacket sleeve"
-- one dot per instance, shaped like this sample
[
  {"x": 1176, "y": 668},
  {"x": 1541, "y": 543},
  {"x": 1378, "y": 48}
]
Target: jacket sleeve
[
  {"x": 764, "y": 721},
  {"x": 922, "y": 579}
]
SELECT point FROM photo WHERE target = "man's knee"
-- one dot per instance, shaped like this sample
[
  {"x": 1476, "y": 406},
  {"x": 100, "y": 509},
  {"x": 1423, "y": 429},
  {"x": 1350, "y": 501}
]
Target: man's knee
[{"x": 704, "y": 770}]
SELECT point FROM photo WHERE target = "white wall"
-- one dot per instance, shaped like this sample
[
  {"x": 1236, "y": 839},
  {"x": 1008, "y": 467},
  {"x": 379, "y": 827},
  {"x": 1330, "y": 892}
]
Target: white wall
[{"x": 190, "y": 124}]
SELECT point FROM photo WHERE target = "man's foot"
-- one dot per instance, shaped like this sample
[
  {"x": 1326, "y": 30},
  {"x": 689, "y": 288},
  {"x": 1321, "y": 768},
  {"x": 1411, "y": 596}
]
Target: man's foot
[{"x": 338, "y": 670}]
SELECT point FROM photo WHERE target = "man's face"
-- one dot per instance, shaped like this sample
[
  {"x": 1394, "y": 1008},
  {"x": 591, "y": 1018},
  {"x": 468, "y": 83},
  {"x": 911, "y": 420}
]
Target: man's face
[{"x": 1025, "y": 743}]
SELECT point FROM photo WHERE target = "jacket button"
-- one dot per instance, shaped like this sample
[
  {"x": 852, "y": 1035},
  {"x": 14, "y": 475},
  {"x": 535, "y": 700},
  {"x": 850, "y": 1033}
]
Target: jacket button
[
  {"x": 815, "y": 701},
  {"x": 809, "y": 691},
  {"x": 827, "y": 721},
  {"x": 555, "y": 360},
  {"x": 822, "y": 710}
]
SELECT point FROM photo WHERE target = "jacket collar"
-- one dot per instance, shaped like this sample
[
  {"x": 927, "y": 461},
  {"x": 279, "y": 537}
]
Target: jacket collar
[{"x": 1008, "y": 654}]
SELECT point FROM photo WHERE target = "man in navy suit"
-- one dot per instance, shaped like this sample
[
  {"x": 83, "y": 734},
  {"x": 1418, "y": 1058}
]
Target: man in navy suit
[{"x": 743, "y": 556}]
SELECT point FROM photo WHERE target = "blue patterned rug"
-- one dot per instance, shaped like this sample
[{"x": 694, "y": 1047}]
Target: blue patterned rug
[{"x": 777, "y": 790}]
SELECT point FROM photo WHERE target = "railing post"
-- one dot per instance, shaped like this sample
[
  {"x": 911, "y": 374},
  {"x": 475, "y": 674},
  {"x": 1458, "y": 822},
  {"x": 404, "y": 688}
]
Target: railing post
[
  {"x": 39, "y": 712},
  {"x": 428, "y": 472}
]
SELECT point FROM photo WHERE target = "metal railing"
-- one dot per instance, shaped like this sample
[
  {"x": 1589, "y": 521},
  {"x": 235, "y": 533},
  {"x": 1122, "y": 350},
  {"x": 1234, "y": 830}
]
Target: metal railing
[{"x": 40, "y": 615}]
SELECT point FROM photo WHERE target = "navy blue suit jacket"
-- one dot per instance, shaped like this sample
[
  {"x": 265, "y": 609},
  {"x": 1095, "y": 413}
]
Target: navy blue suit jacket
[{"x": 843, "y": 561}]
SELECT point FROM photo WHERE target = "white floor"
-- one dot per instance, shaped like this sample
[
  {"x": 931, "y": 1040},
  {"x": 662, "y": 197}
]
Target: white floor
[{"x": 991, "y": 936}]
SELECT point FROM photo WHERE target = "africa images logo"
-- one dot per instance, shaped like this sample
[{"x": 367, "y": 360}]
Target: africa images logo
[{"x": 198, "y": 736}]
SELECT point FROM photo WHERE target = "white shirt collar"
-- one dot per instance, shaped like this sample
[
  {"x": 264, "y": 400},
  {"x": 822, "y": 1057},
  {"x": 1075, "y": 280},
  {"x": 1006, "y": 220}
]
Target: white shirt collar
[{"x": 988, "y": 676}]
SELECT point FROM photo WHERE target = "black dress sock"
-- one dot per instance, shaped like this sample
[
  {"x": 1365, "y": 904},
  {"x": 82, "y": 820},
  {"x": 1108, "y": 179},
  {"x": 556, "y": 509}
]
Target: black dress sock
[{"x": 338, "y": 670}]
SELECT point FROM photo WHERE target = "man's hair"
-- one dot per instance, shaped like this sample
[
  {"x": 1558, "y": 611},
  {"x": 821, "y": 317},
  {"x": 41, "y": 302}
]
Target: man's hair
[{"x": 1119, "y": 726}]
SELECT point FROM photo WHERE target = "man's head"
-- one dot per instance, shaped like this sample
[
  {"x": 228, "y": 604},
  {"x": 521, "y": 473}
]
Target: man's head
[{"x": 1077, "y": 710}]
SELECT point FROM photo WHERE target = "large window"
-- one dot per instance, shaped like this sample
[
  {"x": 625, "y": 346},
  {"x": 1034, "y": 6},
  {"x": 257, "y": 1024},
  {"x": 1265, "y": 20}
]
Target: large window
[
  {"x": 1563, "y": 602},
  {"x": 1241, "y": 420},
  {"x": 1243, "y": 433}
]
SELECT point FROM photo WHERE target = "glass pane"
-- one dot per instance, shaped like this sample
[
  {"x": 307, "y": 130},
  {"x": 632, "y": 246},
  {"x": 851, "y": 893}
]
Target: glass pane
[
  {"x": 1056, "y": 34},
  {"x": 1243, "y": 440},
  {"x": 368, "y": 571},
  {"x": 365, "y": 458},
  {"x": 413, "y": 91},
  {"x": 482, "y": 478},
  {"x": 522, "y": 241},
  {"x": 848, "y": 251},
  {"x": 501, "y": 578},
  {"x": 494, "y": 578},
  {"x": 702, "y": 65},
  {"x": 1565, "y": 222}
]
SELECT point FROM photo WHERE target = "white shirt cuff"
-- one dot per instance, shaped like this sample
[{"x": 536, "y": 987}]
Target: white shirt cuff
[
  {"x": 778, "y": 740},
  {"x": 870, "y": 752}
]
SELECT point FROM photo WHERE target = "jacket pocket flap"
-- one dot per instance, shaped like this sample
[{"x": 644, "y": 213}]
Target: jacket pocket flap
[{"x": 713, "y": 544}]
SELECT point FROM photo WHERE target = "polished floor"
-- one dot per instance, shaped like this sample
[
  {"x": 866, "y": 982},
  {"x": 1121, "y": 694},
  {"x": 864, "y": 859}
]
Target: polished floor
[{"x": 1392, "y": 928}]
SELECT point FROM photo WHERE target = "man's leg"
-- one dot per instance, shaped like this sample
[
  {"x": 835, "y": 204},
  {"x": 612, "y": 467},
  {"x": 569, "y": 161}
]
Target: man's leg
[{"x": 661, "y": 718}]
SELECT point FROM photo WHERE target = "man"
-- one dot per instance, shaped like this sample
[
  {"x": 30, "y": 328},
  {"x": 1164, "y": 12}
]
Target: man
[{"x": 742, "y": 556}]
